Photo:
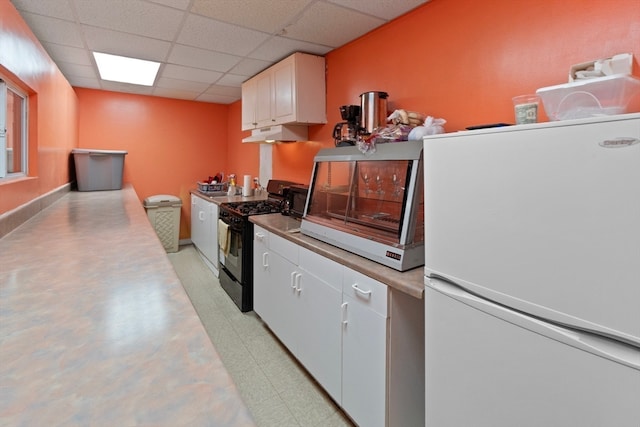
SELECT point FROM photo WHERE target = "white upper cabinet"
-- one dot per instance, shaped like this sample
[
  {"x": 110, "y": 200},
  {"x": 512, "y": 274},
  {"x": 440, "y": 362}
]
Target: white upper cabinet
[
  {"x": 289, "y": 92},
  {"x": 249, "y": 97}
]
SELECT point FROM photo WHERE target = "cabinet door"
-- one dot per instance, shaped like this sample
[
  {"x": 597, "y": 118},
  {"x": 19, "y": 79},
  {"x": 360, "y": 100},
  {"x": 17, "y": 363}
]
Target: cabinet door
[
  {"x": 285, "y": 280},
  {"x": 249, "y": 99},
  {"x": 264, "y": 99},
  {"x": 212, "y": 242},
  {"x": 204, "y": 228},
  {"x": 319, "y": 300},
  {"x": 284, "y": 91},
  {"x": 197, "y": 222},
  {"x": 364, "y": 337},
  {"x": 264, "y": 302},
  {"x": 364, "y": 349}
]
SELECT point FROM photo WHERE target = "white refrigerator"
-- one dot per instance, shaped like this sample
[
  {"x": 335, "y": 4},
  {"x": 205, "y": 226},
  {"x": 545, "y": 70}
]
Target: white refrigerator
[{"x": 532, "y": 274}]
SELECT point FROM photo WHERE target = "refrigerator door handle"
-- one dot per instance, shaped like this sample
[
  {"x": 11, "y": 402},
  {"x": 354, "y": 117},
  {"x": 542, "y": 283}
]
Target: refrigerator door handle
[{"x": 615, "y": 351}]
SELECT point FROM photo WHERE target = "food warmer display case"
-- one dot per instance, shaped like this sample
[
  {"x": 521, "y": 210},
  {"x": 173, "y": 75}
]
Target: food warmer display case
[{"x": 369, "y": 204}]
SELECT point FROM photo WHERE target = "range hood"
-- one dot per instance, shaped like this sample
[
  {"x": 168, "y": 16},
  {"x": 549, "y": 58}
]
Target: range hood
[{"x": 278, "y": 133}]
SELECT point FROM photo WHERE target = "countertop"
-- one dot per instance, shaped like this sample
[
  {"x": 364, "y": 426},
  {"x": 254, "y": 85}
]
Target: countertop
[
  {"x": 96, "y": 328},
  {"x": 410, "y": 282}
]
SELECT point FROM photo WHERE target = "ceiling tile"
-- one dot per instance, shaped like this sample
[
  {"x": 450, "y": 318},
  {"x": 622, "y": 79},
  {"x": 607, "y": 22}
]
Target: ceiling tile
[
  {"x": 177, "y": 4},
  {"x": 53, "y": 8},
  {"x": 77, "y": 70},
  {"x": 269, "y": 17},
  {"x": 188, "y": 73},
  {"x": 92, "y": 83},
  {"x": 131, "y": 16},
  {"x": 331, "y": 25},
  {"x": 54, "y": 30},
  {"x": 385, "y": 9},
  {"x": 200, "y": 58},
  {"x": 279, "y": 47},
  {"x": 232, "y": 80},
  {"x": 249, "y": 67},
  {"x": 225, "y": 90},
  {"x": 126, "y": 88},
  {"x": 125, "y": 44},
  {"x": 167, "y": 83},
  {"x": 73, "y": 55},
  {"x": 214, "y": 35}
]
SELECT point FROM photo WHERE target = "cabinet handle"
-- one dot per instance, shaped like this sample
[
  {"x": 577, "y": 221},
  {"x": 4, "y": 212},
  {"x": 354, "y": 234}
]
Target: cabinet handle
[
  {"x": 265, "y": 260},
  {"x": 361, "y": 291},
  {"x": 293, "y": 280},
  {"x": 201, "y": 215},
  {"x": 259, "y": 236},
  {"x": 298, "y": 288},
  {"x": 344, "y": 313}
]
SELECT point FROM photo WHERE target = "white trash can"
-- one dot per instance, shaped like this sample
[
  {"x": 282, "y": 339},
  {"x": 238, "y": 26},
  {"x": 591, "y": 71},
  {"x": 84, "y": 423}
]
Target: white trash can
[{"x": 163, "y": 211}]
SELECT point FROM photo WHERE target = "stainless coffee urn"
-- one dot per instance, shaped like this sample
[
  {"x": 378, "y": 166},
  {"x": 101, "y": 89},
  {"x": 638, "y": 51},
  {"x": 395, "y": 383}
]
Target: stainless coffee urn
[{"x": 373, "y": 111}]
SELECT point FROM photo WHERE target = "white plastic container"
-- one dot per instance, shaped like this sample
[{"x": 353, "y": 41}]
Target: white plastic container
[
  {"x": 98, "y": 169},
  {"x": 163, "y": 211},
  {"x": 601, "y": 96}
]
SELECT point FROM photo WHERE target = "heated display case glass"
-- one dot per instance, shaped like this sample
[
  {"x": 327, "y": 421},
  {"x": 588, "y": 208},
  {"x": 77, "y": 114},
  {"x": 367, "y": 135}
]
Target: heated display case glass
[{"x": 369, "y": 204}]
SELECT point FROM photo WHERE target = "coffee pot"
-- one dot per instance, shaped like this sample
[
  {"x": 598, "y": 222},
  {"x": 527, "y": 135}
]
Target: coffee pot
[
  {"x": 346, "y": 133},
  {"x": 373, "y": 111}
]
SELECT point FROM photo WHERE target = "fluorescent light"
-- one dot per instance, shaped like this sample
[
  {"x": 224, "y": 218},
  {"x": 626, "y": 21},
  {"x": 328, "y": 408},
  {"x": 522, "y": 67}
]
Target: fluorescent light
[{"x": 126, "y": 70}]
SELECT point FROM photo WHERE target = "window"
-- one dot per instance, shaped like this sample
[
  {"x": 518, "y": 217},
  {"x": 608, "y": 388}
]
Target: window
[{"x": 13, "y": 131}]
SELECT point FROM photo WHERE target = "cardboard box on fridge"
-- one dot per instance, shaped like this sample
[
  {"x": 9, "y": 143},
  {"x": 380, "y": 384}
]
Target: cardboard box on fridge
[{"x": 617, "y": 64}]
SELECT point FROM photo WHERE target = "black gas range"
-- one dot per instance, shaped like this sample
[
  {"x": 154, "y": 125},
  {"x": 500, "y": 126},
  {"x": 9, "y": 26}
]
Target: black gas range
[{"x": 236, "y": 262}]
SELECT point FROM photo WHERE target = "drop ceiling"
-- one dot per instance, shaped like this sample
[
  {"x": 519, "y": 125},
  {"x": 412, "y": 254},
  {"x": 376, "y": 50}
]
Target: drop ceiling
[{"x": 207, "y": 48}]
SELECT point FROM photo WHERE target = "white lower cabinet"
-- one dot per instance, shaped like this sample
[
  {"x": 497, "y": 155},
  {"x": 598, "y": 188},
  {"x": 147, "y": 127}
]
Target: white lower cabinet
[
  {"x": 338, "y": 324},
  {"x": 299, "y": 307},
  {"x": 204, "y": 230},
  {"x": 364, "y": 344},
  {"x": 319, "y": 297},
  {"x": 264, "y": 300}
]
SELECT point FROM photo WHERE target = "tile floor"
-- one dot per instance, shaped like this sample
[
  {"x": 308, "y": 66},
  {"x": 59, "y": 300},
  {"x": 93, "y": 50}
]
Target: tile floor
[{"x": 277, "y": 390}]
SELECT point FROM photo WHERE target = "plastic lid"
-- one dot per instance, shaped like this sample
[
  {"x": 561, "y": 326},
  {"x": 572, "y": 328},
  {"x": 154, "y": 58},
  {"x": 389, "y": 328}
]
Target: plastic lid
[
  {"x": 92, "y": 151},
  {"x": 162, "y": 200}
]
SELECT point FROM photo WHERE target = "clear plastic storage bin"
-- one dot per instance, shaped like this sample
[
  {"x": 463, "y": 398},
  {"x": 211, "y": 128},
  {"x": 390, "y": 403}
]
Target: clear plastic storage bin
[
  {"x": 163, "y": 211},
  {"x": 601, "y": 96}
]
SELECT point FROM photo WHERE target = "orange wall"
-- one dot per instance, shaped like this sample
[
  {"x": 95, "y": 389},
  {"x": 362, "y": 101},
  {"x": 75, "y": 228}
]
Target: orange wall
[
  {"x": 171, "y": 144},
  {"x": 242, "y": 159},
  {"x": 463, "y": 60},
  {"x": 53, "y": 110}
]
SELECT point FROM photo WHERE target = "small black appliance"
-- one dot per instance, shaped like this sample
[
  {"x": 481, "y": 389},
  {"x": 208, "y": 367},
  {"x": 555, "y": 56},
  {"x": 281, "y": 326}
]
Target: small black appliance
[{"x": 346, "y": 133}]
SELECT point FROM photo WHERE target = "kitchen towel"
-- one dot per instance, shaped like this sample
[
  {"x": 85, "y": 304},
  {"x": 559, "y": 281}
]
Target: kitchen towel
[
  {"x": 223, "y": 236},
  {"x": 246, "y": 188}
]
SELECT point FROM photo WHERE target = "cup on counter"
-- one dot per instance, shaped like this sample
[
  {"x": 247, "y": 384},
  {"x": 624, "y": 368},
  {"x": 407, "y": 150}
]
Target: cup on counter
[{"x": 526, "y": 108}]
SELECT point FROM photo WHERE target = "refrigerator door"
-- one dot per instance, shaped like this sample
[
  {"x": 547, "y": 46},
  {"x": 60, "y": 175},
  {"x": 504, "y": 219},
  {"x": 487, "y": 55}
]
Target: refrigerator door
[
  {"x": 543, "y": 218},
  {"x": 488, "y": 366}
]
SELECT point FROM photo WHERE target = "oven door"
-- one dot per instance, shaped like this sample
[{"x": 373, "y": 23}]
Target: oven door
[{"x": 232, "y": 260}]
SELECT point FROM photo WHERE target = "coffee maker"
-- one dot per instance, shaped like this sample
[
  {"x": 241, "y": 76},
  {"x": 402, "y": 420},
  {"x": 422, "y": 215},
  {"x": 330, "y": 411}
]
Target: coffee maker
[{"x": 346, "y": 133}]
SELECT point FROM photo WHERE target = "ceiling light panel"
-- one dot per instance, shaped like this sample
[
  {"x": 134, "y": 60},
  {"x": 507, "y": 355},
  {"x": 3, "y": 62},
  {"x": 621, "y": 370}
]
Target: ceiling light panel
[{"x": 126, "y": 70}]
